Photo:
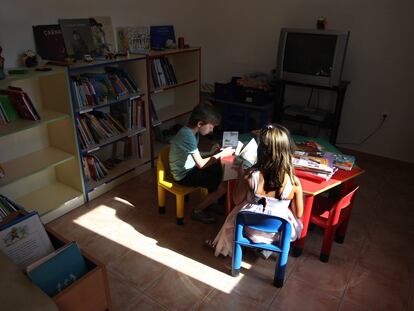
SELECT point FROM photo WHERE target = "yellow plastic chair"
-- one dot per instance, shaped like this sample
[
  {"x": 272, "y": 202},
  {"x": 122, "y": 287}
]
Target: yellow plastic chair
[{"x": 166, "y": 183}]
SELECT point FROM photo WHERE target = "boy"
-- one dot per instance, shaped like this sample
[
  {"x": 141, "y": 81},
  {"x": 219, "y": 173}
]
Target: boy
[{"x": 187, "y": 165}]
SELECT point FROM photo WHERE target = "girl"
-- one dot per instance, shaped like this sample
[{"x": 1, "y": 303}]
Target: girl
[{"x": 269, "y": 187}]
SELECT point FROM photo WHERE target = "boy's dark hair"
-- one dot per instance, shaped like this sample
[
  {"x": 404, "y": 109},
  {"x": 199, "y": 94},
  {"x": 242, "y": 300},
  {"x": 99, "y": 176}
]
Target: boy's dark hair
[{"x": 205, "y": 113}]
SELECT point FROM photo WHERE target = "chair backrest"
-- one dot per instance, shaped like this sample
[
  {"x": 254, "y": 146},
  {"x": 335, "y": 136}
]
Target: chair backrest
[
  {"x": 163, "y": 166},
  {"x": 266, "y": 223},
  {"x": 341, "y": 204}
]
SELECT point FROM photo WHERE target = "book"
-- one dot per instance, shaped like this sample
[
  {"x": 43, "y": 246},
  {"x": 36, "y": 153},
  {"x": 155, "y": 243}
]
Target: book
[
  {"x": 245, "y": 155},
  {"x": 230, "y": 139},
  {"x": 343, "y": 161},
  {"x": 102, "y": 35},
  {"x": 21, "y": 103},
  {"x": 162, "y": 37},
  {"x": 49, "y": 42},
  {"x": 77, "y": 36},
  {"x": 56, "y": 271},
  {"x": 10, "y": 111},
  {"x": 308, "y": 148},
  {"x": 135, "y": 39},
  {"x": 24, "y": 239}
]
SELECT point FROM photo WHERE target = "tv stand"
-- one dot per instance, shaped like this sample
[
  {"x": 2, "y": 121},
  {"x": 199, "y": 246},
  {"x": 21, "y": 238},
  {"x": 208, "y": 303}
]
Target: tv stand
[{"x": 306, "y": 115}]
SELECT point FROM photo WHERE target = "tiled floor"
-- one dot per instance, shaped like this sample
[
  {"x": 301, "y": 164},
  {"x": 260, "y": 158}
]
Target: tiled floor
[{"x": 153, "y": 264}]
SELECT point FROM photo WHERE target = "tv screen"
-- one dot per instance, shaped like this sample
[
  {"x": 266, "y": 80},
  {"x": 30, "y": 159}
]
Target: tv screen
[{"x": 311, "y": 56}]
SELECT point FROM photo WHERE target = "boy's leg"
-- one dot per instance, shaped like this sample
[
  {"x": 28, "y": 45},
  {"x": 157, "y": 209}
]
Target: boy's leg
[{"x": 212, "y": 197}]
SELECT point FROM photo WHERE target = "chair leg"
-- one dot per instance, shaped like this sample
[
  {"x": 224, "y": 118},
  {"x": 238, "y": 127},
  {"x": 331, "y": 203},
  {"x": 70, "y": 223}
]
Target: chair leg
[
  {"x": 161, "y": 200},
  {"x": 179, "y": 202},
  {"x": 341, "y": 230},
  {"x": 280, "y": 269},
  {"x": 327, "y": 244},
  {"x": 237, "y": 258}
]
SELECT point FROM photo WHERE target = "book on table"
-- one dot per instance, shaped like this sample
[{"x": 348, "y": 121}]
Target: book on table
[
  {"x": 24, "y": 239},
  {"x": 344, "y": 161},
  {"x": 58, "y": 270}
]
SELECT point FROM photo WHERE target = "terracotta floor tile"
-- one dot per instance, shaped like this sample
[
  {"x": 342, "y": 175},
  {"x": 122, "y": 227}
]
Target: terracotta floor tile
[
  {"x": 145, "y": 303},
  {"x": 385, "y": 263},
  {"x": 331, "y": 277},
  {"x": 123, "y": 293},
  {"x": 178, "y": 291},
  {"x": 367, "y": 289},
  {"x": 299, "y": 295},
  {"x": 223, "y": 301},
  {"x": 138, "y": 269},
  {"x": 347, "y": 305}
]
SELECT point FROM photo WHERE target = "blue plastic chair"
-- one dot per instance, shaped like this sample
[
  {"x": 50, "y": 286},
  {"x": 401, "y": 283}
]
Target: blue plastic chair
[{"x": 266, "y": 223}]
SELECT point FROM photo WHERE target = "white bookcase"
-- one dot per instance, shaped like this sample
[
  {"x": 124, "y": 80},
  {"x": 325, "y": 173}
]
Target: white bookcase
[{"x": 41, "y": 158}]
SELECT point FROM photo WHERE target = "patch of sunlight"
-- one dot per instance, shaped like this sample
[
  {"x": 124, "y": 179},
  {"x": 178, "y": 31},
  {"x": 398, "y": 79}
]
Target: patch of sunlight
[
  {"x": 103, "y": 221},
  {"x": 123, "y": 201}
]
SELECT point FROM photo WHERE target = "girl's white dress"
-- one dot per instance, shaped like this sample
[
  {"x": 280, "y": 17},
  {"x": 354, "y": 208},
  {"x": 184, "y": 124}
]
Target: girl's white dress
[{"x": 274, "y": 206}]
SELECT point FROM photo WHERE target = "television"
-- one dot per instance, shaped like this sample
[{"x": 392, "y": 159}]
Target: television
[{"x": 311, "y": 56}]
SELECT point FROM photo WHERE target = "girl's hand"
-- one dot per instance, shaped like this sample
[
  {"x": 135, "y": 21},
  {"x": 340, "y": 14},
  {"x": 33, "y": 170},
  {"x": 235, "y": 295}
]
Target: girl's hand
[{"x": 226, "y": 152}]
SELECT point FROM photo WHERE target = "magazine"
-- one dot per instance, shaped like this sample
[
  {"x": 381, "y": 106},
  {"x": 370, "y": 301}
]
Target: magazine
[
  {"x": 230, "y": 139},
  {"x": 246, "y": 155}
]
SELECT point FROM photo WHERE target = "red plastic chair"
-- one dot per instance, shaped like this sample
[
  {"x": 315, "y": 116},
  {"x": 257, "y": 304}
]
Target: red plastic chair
[{"x": 330, "y": 214}]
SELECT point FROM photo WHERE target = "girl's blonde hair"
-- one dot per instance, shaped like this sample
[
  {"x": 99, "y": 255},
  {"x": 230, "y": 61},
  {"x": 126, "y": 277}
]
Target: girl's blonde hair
[{"x": 274, "y": 157}]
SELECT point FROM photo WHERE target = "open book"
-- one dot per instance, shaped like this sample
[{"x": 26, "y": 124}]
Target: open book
[{"x": 246, "y": 155}]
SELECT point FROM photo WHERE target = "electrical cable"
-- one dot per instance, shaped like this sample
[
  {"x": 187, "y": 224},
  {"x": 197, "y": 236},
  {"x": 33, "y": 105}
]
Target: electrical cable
[
  {"x": 310, "y": 97},
  {"x": 384, "y": 117}
]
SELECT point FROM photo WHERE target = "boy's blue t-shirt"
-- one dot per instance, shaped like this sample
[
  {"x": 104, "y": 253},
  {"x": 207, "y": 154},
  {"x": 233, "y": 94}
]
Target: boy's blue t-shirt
[{"x": 183, "y": 145}]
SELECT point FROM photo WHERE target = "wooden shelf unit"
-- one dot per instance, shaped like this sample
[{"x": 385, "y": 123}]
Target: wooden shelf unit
[
  {"x": 41, "y": 158},
  {"x": 177, "y": 100},
  {"x": 136, "y": 67}
]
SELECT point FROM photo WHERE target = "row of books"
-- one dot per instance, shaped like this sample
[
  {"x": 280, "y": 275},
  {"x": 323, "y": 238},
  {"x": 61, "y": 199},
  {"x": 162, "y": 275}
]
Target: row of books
[
  {"x": 96, "y": 127},
  {"x": 162, "y": 72},
  {"x": 131, "y": 114},
  {"x": 25, "y": 241},
  {"x": 93, "y": 89},
  {"x": 7, "y": 207},
  {"x": 16, "y": 104},
  {"x": 310, "y": 160},
  {"x": 96, "y": 168}
]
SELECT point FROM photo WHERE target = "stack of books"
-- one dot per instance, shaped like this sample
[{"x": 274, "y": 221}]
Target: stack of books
[{"x": 311, "y": 161}]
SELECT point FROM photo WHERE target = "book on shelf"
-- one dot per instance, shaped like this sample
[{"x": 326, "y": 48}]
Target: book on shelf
[
  {"x": 102, "y": 35},
  {"x": 162, "y": 37},
  {"x": 7, "y": 206},
  {"x": 7, "y": 107},
  {"x": 49, "y": 42},
  {"x": 162, "y": 72},
  {"x": 58, "y": 270},
  {"x": 135, "y": 39},
  {"x": 154, "y": 114},
  {"x": 77, "y": 36},
  {"x": 24, "y": 239},
  {"x": 21, "y": 102}
]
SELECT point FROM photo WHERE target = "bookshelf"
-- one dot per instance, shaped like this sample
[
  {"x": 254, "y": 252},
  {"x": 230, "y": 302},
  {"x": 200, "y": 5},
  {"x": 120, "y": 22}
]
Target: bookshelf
[
  {"x": 113, "y": 93},
  {"x": 40, "y": 158},
  {"x": 178, "y": 96}
]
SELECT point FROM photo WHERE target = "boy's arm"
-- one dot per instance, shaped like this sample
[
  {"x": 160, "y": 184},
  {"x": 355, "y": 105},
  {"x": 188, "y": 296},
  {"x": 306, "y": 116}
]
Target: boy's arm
[{"x": 205, "y": 162}]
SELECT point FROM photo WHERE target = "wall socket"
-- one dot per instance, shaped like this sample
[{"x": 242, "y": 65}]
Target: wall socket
[{"x": 385, "y": 115}]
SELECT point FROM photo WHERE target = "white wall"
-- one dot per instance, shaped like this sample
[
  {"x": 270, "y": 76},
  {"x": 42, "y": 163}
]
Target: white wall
[{"x": 240, "y": 37}]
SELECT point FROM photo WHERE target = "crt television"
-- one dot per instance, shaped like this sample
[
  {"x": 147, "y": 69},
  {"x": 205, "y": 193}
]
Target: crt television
[{"x": 311, "y": 56}]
